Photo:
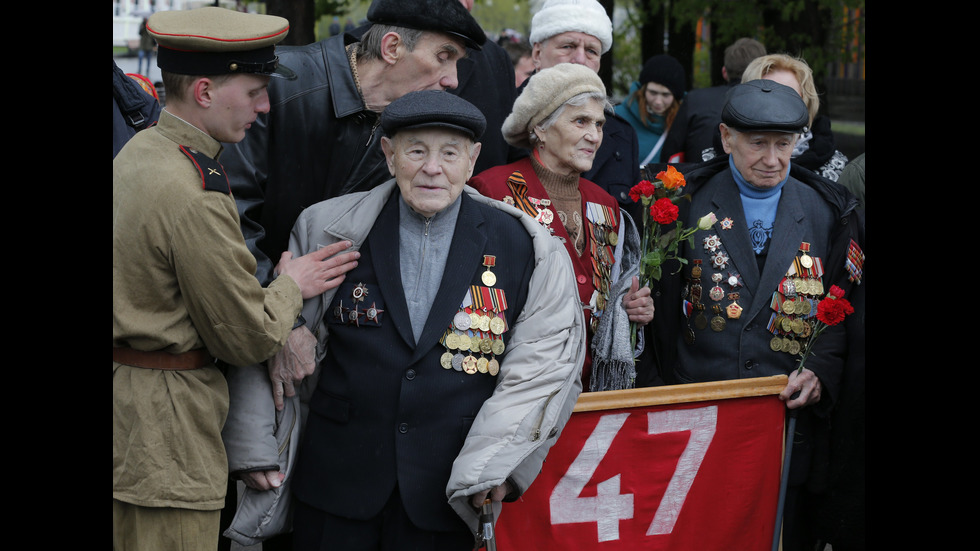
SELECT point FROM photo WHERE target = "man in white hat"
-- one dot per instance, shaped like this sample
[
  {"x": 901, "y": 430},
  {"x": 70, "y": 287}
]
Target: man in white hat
[{"x": 580, "y": 31}]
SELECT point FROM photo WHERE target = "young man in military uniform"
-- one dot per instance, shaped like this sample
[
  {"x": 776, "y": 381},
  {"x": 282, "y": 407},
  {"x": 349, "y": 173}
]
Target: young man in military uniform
[{"x": 184, "y": 289}]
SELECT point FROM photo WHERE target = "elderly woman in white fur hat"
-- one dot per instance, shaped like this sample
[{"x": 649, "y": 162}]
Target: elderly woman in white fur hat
[{"x": 559, "y": 118}]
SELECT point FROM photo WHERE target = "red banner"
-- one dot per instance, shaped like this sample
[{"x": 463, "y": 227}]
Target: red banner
[{"x": 701, "y": 475}]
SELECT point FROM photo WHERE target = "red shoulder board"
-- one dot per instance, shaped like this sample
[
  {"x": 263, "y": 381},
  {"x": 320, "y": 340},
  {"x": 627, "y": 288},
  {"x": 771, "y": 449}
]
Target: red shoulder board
[{"x": 213, "y": 177}]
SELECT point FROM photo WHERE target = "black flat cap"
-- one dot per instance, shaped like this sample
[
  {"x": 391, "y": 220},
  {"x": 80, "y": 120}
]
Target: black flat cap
[
  {"x": 433, "y": 108},
  {"x": 218, "y": 41},
  {"x": 445, "y": 16},
  {"x": 764, "y": 106}
]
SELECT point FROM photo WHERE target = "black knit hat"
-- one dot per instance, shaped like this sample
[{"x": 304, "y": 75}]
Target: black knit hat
[
  {"x": 665, "y": 71},
  {"x": 433, "y": 108},
  {"x": 445, "y": 16},
  {"x": 764, "y": 106}
]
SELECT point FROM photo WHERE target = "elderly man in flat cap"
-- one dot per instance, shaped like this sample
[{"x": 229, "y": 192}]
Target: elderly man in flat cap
[
  {"x": 448, "y": 360},
  {"x": 740, "y": 306},
  {"x": 183, "y": 285}
]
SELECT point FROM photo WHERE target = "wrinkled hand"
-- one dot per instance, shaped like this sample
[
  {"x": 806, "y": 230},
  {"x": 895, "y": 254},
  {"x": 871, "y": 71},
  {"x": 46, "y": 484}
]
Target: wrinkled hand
[
  {"x": 292, "y": 364},
  {"x": 319, "y": 271},
  {"x": 263, "y": 480},
  {"x": 638, "y": 303},
  {"x": 496, "y": 495},
  {"x": 809, "y": 386}
]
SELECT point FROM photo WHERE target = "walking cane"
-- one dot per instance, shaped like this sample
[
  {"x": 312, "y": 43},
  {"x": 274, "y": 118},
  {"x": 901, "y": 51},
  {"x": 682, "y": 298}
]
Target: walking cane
[
  {"x": 486, "y": 525},
  {"x": 784, "y": 479}
]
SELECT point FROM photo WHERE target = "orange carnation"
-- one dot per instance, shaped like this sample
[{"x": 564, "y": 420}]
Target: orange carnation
[{"x": 672, "y": 178}]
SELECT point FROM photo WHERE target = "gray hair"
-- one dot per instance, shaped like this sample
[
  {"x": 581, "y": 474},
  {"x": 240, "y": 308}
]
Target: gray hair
[
  {"x": 370, "y": 45},
  {"x": 574, "y": 101}
]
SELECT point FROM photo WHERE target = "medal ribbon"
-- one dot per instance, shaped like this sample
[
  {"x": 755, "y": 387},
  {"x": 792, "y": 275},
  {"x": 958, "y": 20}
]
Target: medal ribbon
[{"x": 518, "y": 187}]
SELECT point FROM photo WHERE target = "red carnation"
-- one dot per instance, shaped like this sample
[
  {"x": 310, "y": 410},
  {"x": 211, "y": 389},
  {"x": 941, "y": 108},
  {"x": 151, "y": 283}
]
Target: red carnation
[
  {"x": 642, "y": 189},
  {"x": 832, "y": 311},
  {"x": 663, "y": 211}
]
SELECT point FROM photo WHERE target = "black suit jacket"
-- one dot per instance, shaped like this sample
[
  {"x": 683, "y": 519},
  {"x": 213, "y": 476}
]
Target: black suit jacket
[{"x": 385, "y": 412}]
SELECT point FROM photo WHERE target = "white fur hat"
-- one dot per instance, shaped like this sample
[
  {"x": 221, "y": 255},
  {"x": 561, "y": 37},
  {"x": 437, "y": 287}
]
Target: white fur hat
[
  {"x": 545, "y": 92},
  {"x": 584, "y": 16}
]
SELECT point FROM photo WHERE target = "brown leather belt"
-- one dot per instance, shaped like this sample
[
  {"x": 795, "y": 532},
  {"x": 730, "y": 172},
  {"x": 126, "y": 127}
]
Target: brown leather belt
[{"x": 158, "y": 359}]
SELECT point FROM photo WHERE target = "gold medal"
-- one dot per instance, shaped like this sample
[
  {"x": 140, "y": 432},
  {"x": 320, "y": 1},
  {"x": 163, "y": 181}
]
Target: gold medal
[
  {"x": 446, "y": 360},
  {"x": 486, "y": 346},
  {"x": 488, "y": 277},
  {"x": 484, "y": 323},
  {"x": 481, "y": 364},
  {"x": 463, "y": 342},
  {"x": 613, "y": 238},
  {"x": 734, "y": 310},
  {"x": 493, "y": 367},
  {"x": 469, "y": 365},
  {"x": 497, "y": 347},
  {"x": 794, "y": 347},
  {"x": 497, "y": 325},
  {"x": 474, "y": 319},
  {"x": 776, "y": 344},
  {"x": 789, "y": 307},
  {"x": 452, "y": 341}
]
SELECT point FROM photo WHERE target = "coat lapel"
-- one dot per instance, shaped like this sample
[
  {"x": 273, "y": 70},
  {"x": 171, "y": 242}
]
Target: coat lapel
[
  {"x": 788, "y": 232},
  {"x": 464, "y": 260},
  {"x": 726, "y": 203},
  {"x": 383, "y": 241}
]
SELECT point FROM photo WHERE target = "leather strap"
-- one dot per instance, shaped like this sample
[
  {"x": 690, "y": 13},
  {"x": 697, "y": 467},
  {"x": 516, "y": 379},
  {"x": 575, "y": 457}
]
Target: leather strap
[{"x": 159, "y": 359}]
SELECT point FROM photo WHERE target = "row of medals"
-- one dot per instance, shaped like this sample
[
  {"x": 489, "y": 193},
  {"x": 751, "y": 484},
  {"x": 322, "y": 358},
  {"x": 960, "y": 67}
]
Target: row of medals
[
  {"x": 732, "y": 311},
  {"x": 602, "y": 237},
  {"x": 473, "y": 331},
  {"x": 794, "y": 303}
]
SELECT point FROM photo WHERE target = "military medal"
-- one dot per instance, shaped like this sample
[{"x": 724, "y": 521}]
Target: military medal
[
  {"x": 481, "y": 364},
  {"x": 711, "y": 243},
  {"x": 373, "y": 313},
  {"x": 717, "y": 322},
  {"x": 493, "y": 367},
  {"x": 458, "y": 361},
  {"x": 446, "y": 360},
  {"x": 469, "y": 364},
  {"x": 726, "y": 223},
  {"x": 716, "y": 293},
  {"x": 734, "y": 310},
  {"x": 719, "y": 260},
  {"x": 805, "y": 259},
  {"x": 339, "y": 310},
  {"x": 360, "y": 291},
  {"x": 462, "y": 320},
  {"x": 488, "y": 277}
]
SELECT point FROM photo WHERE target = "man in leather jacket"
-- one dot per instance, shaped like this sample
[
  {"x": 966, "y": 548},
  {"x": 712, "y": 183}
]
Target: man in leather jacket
[{"x": 321, "y": 138}]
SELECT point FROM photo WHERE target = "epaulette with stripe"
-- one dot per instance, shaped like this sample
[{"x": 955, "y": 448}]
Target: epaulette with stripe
[{"x": 213, "y": 177}]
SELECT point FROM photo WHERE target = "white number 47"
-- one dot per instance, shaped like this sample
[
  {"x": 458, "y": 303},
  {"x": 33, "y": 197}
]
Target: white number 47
[{"x": 609, "y": 506}]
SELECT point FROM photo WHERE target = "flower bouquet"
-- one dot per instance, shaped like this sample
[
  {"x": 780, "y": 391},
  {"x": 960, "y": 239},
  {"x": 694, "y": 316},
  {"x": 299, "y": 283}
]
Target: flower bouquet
[
  {"x": 662, "y": 232},
  {"x": 831, "y": 310}
]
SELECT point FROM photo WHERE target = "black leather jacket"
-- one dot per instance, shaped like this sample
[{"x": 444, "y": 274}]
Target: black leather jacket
[{"x": 317, "y": 142}]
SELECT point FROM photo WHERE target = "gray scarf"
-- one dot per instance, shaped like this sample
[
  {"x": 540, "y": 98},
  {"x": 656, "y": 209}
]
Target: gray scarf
[{"x": 613, "y": 366}]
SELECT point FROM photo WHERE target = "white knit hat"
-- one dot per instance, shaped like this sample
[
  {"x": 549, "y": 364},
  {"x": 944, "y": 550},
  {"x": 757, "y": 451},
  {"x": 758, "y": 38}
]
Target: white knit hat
[
  {"x": 545, "y": 92},
  {"x": 584, "y": 16}
]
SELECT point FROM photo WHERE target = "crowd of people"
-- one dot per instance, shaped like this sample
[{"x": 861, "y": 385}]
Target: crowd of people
[{"x": 367, "y": 278}]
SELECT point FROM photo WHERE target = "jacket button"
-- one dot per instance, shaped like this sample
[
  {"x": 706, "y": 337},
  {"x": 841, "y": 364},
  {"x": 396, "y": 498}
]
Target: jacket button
[
  {"x": 410, "y": 374},
  {"x": 582, "y": 279},
  {"x": 749, "y": 364},
  {"x": 403, "y": 428}
]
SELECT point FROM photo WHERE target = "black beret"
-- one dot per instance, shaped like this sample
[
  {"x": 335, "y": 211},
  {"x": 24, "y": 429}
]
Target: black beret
[
  {"x": 764, "y": 106},
  {"x": 445, "y": 16},
  {"x": 218, "y": 41},
  {"x": 429, "y": 108}
]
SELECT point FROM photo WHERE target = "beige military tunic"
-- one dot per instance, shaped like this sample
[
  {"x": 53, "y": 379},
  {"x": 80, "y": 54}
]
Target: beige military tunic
[{"x": 182, "y": 279}]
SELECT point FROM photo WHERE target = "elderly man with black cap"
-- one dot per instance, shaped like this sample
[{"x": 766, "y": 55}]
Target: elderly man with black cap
[
  {"x": 183, "y": 284},
  {"x": 738, "y": 308},
  {"x": 448, "y": 360}
]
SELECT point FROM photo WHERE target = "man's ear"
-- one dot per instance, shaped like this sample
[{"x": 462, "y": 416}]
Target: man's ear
[
  {"x": 390, "y": 43},
  {"x": 726, "y": 136},
  {"x": 202, "y": 90},
  {"x": 389, "y": 149},
  {"x": 536, "y": 55},
  {"x": 474, "y": 154}
]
